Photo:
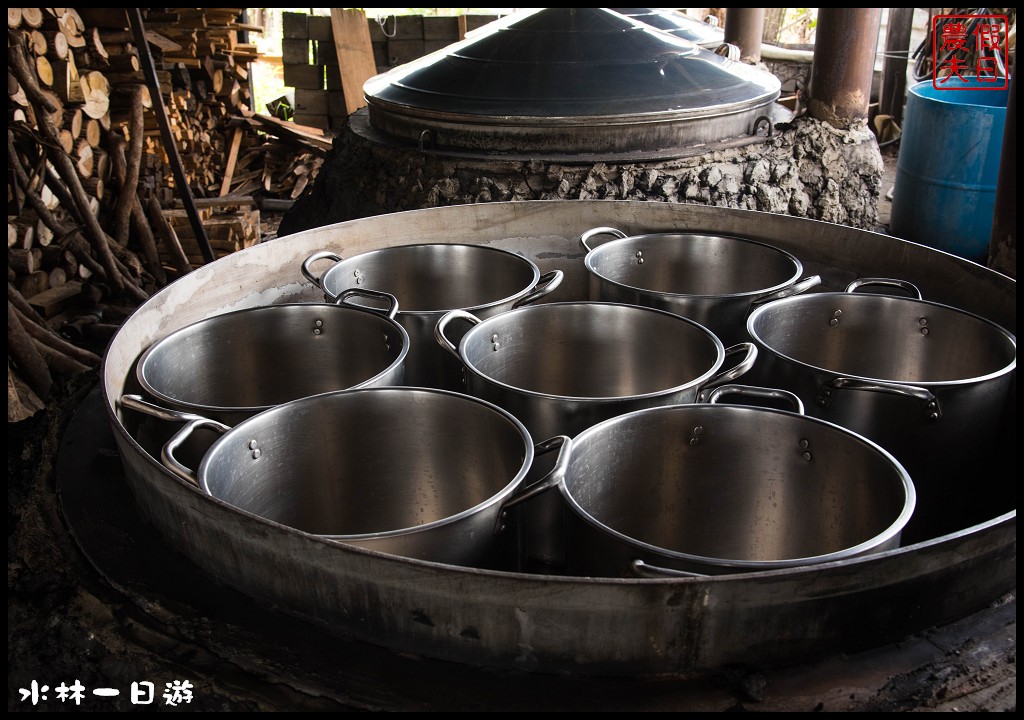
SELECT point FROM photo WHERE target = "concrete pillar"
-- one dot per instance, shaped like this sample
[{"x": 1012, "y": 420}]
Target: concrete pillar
[
  {"x": 744, "y": 28},
  {"x": 1002, "y": 251},
  {"x": 843, "y": 64}
]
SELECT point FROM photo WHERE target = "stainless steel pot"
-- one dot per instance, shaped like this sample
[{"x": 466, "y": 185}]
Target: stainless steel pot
[
  {"x": 429, "y": 280},
  {"x": 926, "y": 381},
  {"x": 713, "y": 489},
  {"x": 416, "y": 472},
  {"x": 231, "y": 366},
  {"x": 562, "y": 367},
  {"x": 712, "y": 279}
]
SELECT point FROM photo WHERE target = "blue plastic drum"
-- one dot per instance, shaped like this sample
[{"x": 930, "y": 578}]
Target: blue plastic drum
[{"x": 948, "y": 165}]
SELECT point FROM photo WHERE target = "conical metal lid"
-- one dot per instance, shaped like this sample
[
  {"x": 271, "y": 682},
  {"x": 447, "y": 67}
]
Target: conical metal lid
[
  {"x": 569, "y": 80},
  {"x": 679, "y": 24}
]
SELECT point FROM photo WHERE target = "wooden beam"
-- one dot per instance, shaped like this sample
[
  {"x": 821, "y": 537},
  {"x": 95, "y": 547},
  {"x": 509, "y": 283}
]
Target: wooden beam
[
  {"x": 53, "y": 300},
  {"x": 355, "y": 54},
  {"x": 314, "y": 137},
  {"x": 170, "y": 146},
  {"x": 229, "y": 169}
]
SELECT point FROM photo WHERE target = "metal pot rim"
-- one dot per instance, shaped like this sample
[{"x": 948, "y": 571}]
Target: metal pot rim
[
  {"x": 487, "y": 324},
  {"x": 208, "y": 410},
  {"x": 593, "y": 255},
  {"x": 240, "y": 430},
  {"x": 893, "y": 529},
  {"x": 876, "y": 298},
  {"x": 345, "y": 263}
]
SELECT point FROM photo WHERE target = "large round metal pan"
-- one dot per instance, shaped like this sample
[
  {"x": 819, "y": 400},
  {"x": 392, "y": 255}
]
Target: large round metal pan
[{"x": 560, "y": 624}]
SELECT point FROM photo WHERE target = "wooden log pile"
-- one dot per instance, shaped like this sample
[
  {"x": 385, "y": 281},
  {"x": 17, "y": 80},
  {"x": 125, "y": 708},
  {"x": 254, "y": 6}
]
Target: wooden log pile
[{"x": 96, "y": 224}]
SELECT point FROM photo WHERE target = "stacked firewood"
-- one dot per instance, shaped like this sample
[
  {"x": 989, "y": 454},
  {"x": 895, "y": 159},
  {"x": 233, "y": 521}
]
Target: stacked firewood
[{"x": 96, "y": 222}]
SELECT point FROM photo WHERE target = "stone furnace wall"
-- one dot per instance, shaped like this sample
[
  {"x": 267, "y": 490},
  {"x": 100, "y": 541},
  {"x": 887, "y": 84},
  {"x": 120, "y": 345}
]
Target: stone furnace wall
[{"x": 807, "y": 168}]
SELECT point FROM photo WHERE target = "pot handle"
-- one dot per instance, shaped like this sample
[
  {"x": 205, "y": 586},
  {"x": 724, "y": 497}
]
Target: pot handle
[
  {"x": 439, "y": 335},
  {"x": 192, "y": 423},
  {"x": 644, "y": 570},
  {"x": 758, "y": 392},
  {"x": 886, "y": 282},
  {"x": 748, "y": 350},
  {"x": 136, "y": 402},
  {"x": 167, "y": 454},
  {"x": 390, "y": 299},
  {"x": 594, "y": 232},
  {"x": 794, "y": 289},
  {"x": 322, "y": 255},
  {"x": 548, "y": 282},
  {"x": 553, "y": 478},
  {"x": 826, "y": 395}
]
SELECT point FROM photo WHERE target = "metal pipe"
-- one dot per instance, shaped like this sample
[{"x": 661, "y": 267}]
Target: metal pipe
[
  {"x": 744, "y": 28},
  {"x": 893, "y": 93},
  {"x": 1002, "y": 249},
  {"x": 844, "y": 59}
]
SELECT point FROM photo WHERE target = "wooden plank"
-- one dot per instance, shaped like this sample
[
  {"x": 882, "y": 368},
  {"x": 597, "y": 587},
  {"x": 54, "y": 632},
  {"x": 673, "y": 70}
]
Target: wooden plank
[
  {"x": 380, "y": 57},
  {"x": 229, "y": 169},
  {"x": 441, "y": 28},
  {"x": 401, "y": 52},
  {"x": 430, "y": 46},
  {"x": 162, "y": 42},
  {"x": 336, "y": 104},
  {"x": 333, "y": 77},
  {"x": 475, "y": 22},
  {"x": 325, "y": 53},
  {"x": 407, "y": 27},
  {"x": 310, "y": 77},
  {"x": 313, "y": 136},
  {"x": 51, "y": 302},
  {"x": 295, "y": 51},
  {"x": 355, "y": 54},
  {"x": 310, "y": 102},
  {"x": 319, "y": 28},
  {"x": 293, "y": 25},
  {"x": 313, "y": 120},
  {"x": 222, "y": 202}
]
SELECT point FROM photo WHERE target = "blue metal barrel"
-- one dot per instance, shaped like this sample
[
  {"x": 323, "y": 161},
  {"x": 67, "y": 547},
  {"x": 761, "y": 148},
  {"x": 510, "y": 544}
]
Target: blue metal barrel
[{"x": 946, "y": 173}]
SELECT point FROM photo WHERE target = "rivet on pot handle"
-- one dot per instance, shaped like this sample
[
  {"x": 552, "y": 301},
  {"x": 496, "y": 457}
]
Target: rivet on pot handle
[
  {"x": 758, "y": 392},
  {"x": 547, "y": 282},
  {"x": 439, "y": 335},
  {"x": 192, "y": 423},
  {"x": 644, "y": 570},
  {"x": 885, "y": 282},
  {"x": 748, "y": 350},
  {"x": 794, "y": 289},
  {"x": 390, "y": 299},
  {"x": 827, "y": 394},
  {"x": 322, "y": 255},
  {"x": 552, "y": 479},
  {"x": 594, "y": 232}
]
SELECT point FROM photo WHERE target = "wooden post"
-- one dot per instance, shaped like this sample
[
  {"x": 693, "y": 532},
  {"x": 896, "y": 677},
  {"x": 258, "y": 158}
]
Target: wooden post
[{"x": 355, "y": 54}]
